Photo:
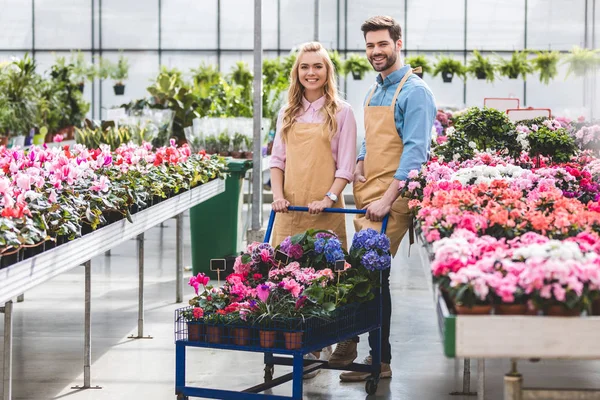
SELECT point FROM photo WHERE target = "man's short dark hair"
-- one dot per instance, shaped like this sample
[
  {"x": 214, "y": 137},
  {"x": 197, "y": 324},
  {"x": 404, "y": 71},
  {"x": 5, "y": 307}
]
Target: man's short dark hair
[{"x": 382, "y": 22}]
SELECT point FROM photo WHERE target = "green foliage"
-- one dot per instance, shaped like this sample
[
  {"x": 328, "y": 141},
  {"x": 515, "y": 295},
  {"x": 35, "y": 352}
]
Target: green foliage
[
  {"x": 481, "y": 66},
  {"x": 120, "y": 72},
  {"x": 93, "y": 135},
  {"x": 489, "y": 129},
  {"x": 105, "y": 68},
  {"x": 82, "y": 70},
  {"x": 238, "y": 141},
  {"x": 581, "y": 61},
  {"x": 546, "y": 63},
  {"x": 337, "y": 62},
  {"x": 451, "y": 66},
  {"x": 517, "y": 65},
  {"x": 557, "y": 144},
  {"x": 357, "y": 65},
  {"x": 419, "y": 61}
]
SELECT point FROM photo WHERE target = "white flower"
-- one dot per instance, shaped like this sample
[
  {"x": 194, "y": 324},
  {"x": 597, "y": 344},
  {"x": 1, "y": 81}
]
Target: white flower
[
  {"x": 456, "y": 157},
  {"x": 472, "y": 145},
  {"x": 450, "y": 131}
]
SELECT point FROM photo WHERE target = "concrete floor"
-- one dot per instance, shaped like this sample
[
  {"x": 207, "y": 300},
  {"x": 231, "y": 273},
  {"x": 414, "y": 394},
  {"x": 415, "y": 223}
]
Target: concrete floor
[{"x": 48, "y": 340}]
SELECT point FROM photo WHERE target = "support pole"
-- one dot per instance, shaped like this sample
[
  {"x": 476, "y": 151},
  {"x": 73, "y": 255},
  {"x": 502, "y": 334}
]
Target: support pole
[
  {"x": 8, "y": 336},
  {"x": 513, "y": 382},
  {"x": 140, "y": 253},
  {"x": 481, "y": 379},
  {"x": 466, "y": 389},
  {"x": 87, "y": 337},
  {"x": 316, "y": 32},
  {"x": 179, "y": 256},
  {"x": 257, "y": 187}
]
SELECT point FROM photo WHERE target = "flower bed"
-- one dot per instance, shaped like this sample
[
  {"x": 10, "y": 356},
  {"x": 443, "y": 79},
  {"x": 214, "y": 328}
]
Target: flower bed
[
  {"x": 268, "y": 297},
  {"x": 517, "y": 232},
  {"x": 50, "y": 196}
]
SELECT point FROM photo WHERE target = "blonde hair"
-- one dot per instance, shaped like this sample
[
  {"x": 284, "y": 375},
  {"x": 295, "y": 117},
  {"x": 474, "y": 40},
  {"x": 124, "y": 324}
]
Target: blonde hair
[{"x": 296, "y": 92}]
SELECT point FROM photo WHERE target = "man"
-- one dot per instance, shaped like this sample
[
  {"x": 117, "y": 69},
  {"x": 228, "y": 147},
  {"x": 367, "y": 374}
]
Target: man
[{"x": 399, "y": 114}]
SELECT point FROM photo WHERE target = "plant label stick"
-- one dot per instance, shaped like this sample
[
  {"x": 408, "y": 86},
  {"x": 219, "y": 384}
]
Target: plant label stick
[
  {"x": 218, "y": 264},
  {"x": 281, "y": 258}
]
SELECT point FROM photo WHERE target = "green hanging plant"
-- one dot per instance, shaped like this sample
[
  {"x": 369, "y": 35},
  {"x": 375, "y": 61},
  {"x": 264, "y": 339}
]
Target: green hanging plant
[
  {"x": 448, "y": 67},
  {"x": 580, "y": 61},
  {"x": 337, "y": 62},
  {"x": 481, "y": 67},
  {"x": 546, "y": 63},
  {"x": 419, "y": 61},
  {"x": 357, "y": 65},
  {"x": 517, "y": 65}
]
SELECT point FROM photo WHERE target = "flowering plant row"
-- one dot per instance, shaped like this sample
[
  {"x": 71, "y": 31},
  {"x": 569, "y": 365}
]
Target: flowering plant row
[{"x": 51, "y": 195}]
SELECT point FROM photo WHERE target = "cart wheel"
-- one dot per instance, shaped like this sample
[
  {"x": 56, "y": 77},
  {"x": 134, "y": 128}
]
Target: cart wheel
[
  {"x": 182, "y": 397},
  {"x": 269, "y": 371},
  {"x": 371, "y": 386}
]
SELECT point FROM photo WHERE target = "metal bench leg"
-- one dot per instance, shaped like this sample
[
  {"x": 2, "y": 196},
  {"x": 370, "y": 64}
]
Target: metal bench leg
[
  {"x": 8, "y": 336},
  {"x": 87, "y": 338},
  {"x": 140, "y": 254},
  {"x": 179, "y": 260},
  {"x": 466, "y": 389},
  {"x": 513, "y": 383},
  {"x": 298, "y": 377},
  {"x": 481, "y": 379}
]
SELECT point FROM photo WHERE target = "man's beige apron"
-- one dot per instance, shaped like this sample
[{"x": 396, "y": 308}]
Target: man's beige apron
[
  {"x": 308, "y": 176},
  {"x": 384, "y": 150}
]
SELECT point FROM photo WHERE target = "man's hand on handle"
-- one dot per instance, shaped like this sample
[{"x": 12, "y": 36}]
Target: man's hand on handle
[{"x": 280, "y": 205}]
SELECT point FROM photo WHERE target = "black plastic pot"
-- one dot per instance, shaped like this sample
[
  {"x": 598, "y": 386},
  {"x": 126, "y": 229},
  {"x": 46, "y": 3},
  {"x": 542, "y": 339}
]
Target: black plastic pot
[
  {"x": 480, "y": 75},
  {"x": 447, "y": 76},
  {"x": 8, "y": 260},
  {"x": 356, "y": 76},
  {"x": 119, "y": 90},
  {"x": 80, "y": 87},
  {"x": 513, "y": 76}
]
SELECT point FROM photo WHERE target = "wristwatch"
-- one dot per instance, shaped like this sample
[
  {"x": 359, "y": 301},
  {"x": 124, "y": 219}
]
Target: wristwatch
[{"x": 332, "y": 196}]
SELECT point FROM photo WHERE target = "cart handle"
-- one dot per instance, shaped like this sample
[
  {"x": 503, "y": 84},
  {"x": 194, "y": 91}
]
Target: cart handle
[{"x": 327, "y": 210}]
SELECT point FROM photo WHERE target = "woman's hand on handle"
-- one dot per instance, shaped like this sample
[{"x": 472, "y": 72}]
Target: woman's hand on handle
[
  {"x": 280, "y": 205},
  {"x": 316, "y": 207}
]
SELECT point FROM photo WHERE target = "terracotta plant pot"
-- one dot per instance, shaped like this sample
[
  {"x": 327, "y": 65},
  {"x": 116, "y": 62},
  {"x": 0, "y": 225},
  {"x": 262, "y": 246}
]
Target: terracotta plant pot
[
  {"x": 475, "y": 310},
  {"x": 293, "y": 340},
  {"x": 214, "y": 334},
  {"x": 561, "y": 311},
  {"x": 195, "y": 332},
  {"x": 240, "y": 336},
  {"x": 237, "y": 154},
  {"x": 267, "y": 338},
  {"x": 249, "y": 155},
  {"x": 3, "y": 140},
  {"x": 510, "y": 309}
]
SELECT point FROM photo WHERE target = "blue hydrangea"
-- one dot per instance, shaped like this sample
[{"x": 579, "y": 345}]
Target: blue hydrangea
[
  {"x": 320, "y": 245},
  {"x": 371, "y": 260},
  {"x": 333, "y": 250}
]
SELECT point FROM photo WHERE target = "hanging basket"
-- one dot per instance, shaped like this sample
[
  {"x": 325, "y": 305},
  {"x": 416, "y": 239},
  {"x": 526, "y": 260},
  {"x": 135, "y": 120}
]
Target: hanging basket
[
  {"x": 356, "y": 75},
  {"x": 447, "y": 76},
  {"x": 119, "y": 89},
  {"x": 480, "y": 75}
]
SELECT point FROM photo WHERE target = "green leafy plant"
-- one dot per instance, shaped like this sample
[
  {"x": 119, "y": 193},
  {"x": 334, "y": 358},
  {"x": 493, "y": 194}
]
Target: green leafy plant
[
  {"x": 211, "y": 144},
  {"x": 337, "y": 62},
  {"x": 82, "y": 70},
  {"x": 288, "y": 64},
  {"x": 546, "y": 63},
  {"x": 120, "y": 72},
  {"x": 488, "y": 129},
  {"x": 237, "y": 141},
  {"x": 419, "y": 61},
  {"x": 581, "y": 61},
  {"x": 357, "y": 65},
  {"x": 224, "y": 143},
  {"x": 556, "y": 144},
  {"x": 481, "y": 67},
  {"x": 105, "y": 68},
  {"x": 449, "y": 67},
  {"x": 517, "y": 65}
]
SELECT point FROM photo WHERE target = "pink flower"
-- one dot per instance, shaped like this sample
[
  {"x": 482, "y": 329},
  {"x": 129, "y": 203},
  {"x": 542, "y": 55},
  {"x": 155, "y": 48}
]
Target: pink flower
[
  {"x": 198, "y": 312},
  {"x": 101, "y": 185},
  {"x": 326, "y": 272},
  {"x": 57, "y": 138},
  {"x": 239, "y": 267},
  {"x": 292, "y": 286},
  {"x": 401, "y": 185},
  {"x": 52, "y": 196},
  {"x": 262, "y": 291},
  {"x": 414, "y": 185},
  {"x": 559, "y": 292},
  {"x": 24, "y": 182},
  {"x": 265, "y": 255},
  {"x": 413, "y": 174}
]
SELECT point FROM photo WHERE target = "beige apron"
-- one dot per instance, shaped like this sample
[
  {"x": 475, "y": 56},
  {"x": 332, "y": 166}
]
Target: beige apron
[
  {"x": 384, "y": 150},
  {"x": 308, "y": 176}
]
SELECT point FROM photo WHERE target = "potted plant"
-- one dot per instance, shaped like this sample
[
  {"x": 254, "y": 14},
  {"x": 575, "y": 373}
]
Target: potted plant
[
  {"x": 224, "y": 143},
  {"x": 211, "y": 144},
  {"x": 357, "y": 65},
  {"x": 580, "y": 61},
  {"x": 419, "y": 61},
  {"x": 557, "y": 144},
  {"x": 546, "y": 63},
  {"x": 249, "y": 142},
  {"x": 81, "y": 70},
  {"x": 237, "y": 142},
  {"x": 517, "y": 65},
  {"x": 105, "y": 68},
  {"x": 481, "y": 67},
  {"x": 337, "y": 62},
  {"x": 448, "y": 67},
  {"x": 120, "y": 73},
  {"x": 470, "y": 291}
]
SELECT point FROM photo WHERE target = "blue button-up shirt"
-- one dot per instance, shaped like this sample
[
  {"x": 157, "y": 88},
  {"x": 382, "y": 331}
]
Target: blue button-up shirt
[{"x": 414, "y": 114}]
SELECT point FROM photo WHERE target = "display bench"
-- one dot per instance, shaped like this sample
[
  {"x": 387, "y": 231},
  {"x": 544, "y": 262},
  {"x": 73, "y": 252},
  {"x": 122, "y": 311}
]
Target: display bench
[
  {"x": 514, "y": 337},
  {"x": 22, "y": 276}
]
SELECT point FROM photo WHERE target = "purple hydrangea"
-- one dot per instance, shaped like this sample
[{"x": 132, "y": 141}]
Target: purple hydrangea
[
  {"x": 256, "y": 253},
  {"x": 294, "y": 251},
  {"x": 370, "y": 239},
  {"x": 374, "y": 262},
  {"x": 333, "y": 250}
]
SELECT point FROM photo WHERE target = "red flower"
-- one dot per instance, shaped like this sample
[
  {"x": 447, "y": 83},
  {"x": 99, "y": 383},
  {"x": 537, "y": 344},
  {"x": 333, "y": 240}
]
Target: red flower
[
  {"x": 257, "y": 277},
  {"x": 221, "y": 312}
]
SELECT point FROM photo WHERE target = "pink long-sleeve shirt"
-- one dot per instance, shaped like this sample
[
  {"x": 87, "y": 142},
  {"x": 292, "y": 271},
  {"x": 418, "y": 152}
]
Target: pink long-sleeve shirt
[{"x": 343, "y": 144}]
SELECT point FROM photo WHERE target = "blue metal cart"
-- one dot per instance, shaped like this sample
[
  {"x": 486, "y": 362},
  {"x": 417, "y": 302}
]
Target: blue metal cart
[{"x": 348, "y": 322}]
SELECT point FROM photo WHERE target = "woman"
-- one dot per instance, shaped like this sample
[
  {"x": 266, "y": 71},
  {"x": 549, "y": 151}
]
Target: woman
[{"x": 314, "y": 151}]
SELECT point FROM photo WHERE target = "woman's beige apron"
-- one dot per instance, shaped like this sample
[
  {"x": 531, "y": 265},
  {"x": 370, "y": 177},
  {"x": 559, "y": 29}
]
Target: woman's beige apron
[
  {"x": 384, "y": 150},
  {"x": 308, "y": 176}
]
